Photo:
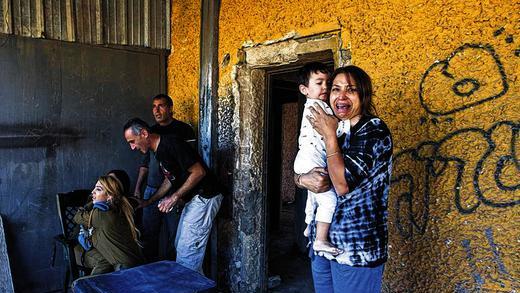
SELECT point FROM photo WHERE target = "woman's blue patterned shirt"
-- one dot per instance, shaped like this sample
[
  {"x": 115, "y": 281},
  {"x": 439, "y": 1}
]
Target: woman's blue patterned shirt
[{"x": 359, "y": 225}]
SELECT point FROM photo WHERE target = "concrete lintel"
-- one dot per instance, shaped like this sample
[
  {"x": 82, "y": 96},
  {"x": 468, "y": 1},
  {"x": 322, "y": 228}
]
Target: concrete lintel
[{"x": 288, "y": 51}]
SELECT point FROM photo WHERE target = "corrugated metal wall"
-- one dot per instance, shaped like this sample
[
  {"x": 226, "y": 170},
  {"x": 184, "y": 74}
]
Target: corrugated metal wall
[{"x": 144, "y": 23}]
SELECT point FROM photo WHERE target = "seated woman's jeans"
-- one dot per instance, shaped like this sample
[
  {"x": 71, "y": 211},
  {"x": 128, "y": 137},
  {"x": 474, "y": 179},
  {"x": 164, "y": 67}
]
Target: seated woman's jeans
[{"x": 333, "y": 277}]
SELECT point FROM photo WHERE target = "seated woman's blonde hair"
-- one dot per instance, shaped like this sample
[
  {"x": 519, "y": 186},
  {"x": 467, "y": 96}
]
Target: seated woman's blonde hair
[{"x": 118, "y": 201}]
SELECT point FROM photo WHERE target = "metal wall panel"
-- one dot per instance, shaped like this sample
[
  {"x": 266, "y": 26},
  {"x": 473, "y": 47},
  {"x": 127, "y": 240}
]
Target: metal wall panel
[
  {"x": 61, "y": 117},
  {"x": 142, "y": 23},
  {"x": 27, "y": 17},
  {"x": 89, "y": 21},
  {"x": 5, "y": 17}
]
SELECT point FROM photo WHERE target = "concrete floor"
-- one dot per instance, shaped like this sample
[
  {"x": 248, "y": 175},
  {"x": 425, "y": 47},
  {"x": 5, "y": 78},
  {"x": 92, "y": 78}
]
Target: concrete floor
[{"x": 285, "y": 259}]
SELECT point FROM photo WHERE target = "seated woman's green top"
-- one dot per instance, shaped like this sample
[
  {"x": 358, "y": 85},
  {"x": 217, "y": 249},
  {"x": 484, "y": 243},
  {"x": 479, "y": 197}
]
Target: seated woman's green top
[{"x": 111, "y": 236}]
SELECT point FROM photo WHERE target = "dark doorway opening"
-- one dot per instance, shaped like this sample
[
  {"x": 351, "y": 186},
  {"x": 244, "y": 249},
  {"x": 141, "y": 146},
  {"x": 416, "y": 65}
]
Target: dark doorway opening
[{"x": 287, "y": 256}]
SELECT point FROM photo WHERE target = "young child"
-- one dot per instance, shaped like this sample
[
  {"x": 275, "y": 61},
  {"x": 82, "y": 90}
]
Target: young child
[{"x": 313, "y": 84}]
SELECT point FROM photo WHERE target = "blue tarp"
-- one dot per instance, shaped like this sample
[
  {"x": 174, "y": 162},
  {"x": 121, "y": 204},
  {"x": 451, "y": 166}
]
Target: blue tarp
[{"x": 163, "y": 276}]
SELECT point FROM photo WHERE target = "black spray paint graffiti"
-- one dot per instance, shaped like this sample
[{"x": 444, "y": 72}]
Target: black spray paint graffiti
[
  {"x": 464, "y": 79},
  {"x": 509, "y": 39},
  {"x": 463, "y": 159},
  {"x": 499, "y": 276}
]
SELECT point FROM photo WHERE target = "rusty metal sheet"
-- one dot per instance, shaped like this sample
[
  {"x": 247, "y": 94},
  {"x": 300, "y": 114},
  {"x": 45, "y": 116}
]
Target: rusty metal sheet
[
  {"x": 88, "y": 21},
  {"x": 5, "y": 17},
  {"x": 146, "y": 23},
  {"x": 143, "y": 23},
  {"x": 121, "y": 22}
]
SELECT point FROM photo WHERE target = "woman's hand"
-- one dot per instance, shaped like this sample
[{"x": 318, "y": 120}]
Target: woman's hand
[
  {"x": 323, "y": 123},
  {"x": 316, "y": 180}
]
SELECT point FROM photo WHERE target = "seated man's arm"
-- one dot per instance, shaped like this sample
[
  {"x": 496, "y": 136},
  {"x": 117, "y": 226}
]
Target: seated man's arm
[{"x": 197, "y": 172}]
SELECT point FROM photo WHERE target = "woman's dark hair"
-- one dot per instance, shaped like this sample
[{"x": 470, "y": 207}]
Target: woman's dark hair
[
  {"x": 123, "y": 178},
  {"x": 363, "y": 84}
]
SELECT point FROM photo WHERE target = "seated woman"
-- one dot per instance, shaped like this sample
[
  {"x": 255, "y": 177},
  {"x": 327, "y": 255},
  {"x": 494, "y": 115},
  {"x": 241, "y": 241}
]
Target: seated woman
[{"x": 108, "y": 219}]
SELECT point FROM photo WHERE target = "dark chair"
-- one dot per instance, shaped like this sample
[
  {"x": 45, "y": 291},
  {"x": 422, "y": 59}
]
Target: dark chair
[{"x": 68, "y": 204}]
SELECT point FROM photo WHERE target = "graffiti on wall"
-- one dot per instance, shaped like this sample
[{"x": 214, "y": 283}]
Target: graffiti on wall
[
  {"x": 480, "y": 166},
  {"x": 472, "y": 169},
  {"x": 497, "y": 161},
  {"x": 461, "y": 81}
]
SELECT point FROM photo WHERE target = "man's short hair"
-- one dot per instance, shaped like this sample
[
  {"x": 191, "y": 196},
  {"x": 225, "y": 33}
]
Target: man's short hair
[
  {"x": 165, "y": 97},
  {"x": 136, "y": 124},
  {"x": 304, "y": 74}
]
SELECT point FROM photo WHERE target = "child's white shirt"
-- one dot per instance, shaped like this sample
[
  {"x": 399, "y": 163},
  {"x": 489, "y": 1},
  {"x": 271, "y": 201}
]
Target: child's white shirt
[{"x": 312, "y": 154}]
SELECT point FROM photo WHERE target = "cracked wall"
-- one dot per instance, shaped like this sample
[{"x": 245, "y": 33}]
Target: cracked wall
[{"x": 445, "y": 76}]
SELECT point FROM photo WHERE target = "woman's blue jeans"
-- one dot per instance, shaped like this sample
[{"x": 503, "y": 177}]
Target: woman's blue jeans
[{"x": 332, "y": 277}]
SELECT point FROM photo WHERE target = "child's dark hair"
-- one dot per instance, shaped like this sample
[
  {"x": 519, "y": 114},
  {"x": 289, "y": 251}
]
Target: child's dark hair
[{"x": 312, "y": 67}]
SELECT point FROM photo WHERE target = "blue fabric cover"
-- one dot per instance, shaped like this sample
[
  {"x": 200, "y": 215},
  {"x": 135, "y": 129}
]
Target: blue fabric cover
[{"x": 162, "y": 276}]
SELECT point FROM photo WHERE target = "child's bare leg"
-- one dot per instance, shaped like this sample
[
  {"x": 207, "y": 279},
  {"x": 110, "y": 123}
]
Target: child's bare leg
[
  {"x": 322, "y": 231},
  {"x": 322, "y": 243}
]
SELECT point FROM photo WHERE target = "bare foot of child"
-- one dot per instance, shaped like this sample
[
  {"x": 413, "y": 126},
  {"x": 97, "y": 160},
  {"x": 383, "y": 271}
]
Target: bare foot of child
[{"x": 325, "y": 246}]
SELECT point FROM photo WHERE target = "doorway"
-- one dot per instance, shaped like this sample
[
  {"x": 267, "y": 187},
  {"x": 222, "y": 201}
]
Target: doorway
[
  {"x": 288, "y": 264},
  {"x": 252, "y": 108}
]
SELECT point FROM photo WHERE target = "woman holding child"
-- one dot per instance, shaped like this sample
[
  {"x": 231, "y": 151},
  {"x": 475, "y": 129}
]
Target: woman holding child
[
  {"x": 359, "y": 169},
  {"x": 112, "y": 240}
]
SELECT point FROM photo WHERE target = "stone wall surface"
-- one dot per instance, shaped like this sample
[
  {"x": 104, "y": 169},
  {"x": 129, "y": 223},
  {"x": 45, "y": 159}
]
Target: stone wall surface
[{"x": 445, "y": 76}]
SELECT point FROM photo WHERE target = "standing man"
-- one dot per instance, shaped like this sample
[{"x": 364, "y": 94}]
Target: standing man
[
  {"x": 159, "y": 229},
  {"x": 187, "y": 179}
]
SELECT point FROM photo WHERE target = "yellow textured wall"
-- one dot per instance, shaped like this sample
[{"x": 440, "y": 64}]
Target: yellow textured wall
[
  {"x": 183, "y": 63},
  {"x": 445, "y": 75}
]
